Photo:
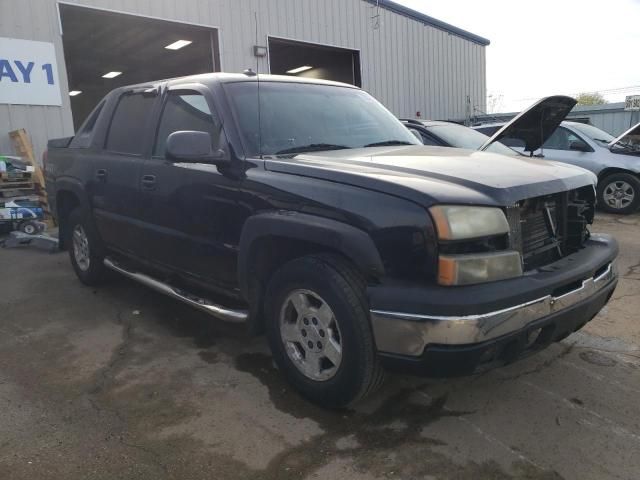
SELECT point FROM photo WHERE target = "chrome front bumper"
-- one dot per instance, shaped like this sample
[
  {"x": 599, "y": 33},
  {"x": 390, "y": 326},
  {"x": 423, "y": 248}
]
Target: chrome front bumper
[{"x": 409, "y": 334}]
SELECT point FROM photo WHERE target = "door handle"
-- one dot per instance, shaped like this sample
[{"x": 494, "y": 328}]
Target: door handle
[
  {"x": 101, "y": 175},
  {"x": 149, "y": 182}
]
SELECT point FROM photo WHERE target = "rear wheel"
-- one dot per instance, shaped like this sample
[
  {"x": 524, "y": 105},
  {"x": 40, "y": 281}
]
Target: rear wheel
[
  {"x": 319, "y": 330},
  {"x": 85, "y": 248},
  {"x": 619, "y": 193},
  {"x": 29, "y": 227}
]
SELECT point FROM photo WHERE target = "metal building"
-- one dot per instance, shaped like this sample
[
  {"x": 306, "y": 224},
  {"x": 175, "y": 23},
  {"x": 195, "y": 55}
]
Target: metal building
[{"x": 416, "y": 65}]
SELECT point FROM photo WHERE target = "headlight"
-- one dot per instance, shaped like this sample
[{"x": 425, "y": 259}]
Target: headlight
[
  {"x": 457, "y": 222},
  {"x": 462, "y": 227},
  {"x": 478, "y": 267}
]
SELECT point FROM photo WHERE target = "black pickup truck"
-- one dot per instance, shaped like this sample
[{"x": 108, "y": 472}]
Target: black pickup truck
[{"x": 305, "y": 209}]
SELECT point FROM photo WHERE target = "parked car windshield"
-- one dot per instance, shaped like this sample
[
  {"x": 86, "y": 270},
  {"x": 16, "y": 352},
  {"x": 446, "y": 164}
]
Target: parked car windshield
[
  {"x": 594, "y": 133},
  {"x": 460, "y": 136},
  {"x": 303, "y": 117}
]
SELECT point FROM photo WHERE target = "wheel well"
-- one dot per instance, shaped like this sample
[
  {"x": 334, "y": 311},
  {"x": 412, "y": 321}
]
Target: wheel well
[
  {"x": 266, "y": 256},
  {"x": 609, "y": 171},
  {"x": 66, "y": 201}
]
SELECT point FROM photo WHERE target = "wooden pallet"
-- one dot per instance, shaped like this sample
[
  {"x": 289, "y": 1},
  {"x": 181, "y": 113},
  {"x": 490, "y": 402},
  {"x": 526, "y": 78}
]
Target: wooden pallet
[
  {"x": 14, "y": 176},
  {"x": 22, "y": 146},
  {"x": 16, "y": 185}
]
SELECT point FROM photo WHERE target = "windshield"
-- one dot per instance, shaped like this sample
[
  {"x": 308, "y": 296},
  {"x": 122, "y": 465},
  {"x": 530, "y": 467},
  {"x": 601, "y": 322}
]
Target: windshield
[
  {"x": 298, "y": 117},
  {"x": 460, "y": 136},
  {"x": 594, "y": 133}
]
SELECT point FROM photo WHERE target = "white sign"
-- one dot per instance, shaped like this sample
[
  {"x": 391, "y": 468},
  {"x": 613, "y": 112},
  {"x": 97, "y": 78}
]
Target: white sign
[
  {"x": 28, "y": 73},
  {"x": 632, "y": 102}
]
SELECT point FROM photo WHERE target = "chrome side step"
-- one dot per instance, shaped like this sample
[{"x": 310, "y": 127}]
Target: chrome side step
[{"x": 235, "y": 316}]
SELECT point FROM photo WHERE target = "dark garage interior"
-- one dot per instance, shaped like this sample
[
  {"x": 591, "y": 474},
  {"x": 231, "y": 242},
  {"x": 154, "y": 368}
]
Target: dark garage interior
[
  {"x": 97, "y": 42},
  {"x": 287, "y": 57}
]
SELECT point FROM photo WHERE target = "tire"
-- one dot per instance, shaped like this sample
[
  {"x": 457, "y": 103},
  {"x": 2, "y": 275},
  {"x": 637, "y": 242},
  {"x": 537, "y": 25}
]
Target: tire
[
  {"x": 85, "y": 248},
  {"x": 313, "y": 282},
  {"x": 619, "y": 193},
  {"x": 29, "y": 227}
]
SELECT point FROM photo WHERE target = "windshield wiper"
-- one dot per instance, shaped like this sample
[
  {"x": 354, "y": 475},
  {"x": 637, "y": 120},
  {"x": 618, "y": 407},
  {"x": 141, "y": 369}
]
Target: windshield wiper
[
  {"x": 389, "y": 143},
  {"x": 314, "y": 147}
]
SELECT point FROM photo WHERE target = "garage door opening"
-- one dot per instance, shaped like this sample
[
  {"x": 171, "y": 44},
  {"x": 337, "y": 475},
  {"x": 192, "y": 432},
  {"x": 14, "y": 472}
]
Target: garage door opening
[
  {"x": 104, "y": 50},
  {"x": 287, "y": 57}
]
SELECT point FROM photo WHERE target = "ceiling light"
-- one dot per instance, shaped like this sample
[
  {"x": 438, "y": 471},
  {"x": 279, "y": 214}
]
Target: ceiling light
[
  {"x": 111, "y": 74},
  {"x": 178, "y": 45},
  {"x": 73, "y": 93},
  {"x": 304, "y": 68}
]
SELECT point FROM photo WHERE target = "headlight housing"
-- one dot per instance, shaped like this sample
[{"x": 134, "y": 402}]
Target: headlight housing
[
  {"x": 459, "y": 228},
  {"x": 459, "y": 222}
]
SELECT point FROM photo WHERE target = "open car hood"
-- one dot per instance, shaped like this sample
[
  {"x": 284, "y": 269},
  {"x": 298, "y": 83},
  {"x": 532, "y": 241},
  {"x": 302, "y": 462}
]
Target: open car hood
[
  {"x": 536, "y": 124},
  {"x": 628, "y": 142}
]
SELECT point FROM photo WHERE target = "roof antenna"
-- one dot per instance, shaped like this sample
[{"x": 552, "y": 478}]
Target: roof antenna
[{"x": 257, "y": 74}]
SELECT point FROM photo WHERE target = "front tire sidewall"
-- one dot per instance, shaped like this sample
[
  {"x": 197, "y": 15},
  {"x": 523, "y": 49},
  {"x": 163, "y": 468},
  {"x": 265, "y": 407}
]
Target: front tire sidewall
[
  {"x": 347, "y": 383},
  {"x": 96, "y": 273},
  {"x": 622, "y": 177}
]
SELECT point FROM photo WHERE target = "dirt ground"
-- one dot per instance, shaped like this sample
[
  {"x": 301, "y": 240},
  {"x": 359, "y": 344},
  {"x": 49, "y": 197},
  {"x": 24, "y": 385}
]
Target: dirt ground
[{"x": 121, "y": 382}]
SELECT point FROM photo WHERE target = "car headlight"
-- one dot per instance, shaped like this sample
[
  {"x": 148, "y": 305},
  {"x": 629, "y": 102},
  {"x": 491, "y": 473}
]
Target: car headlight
[
  {"x": 464, "y": 257},
  {"x": 458, "y": 222}
]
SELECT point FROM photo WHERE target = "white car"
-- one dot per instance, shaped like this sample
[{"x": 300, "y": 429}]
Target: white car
[{"x": 616, "y": 161}]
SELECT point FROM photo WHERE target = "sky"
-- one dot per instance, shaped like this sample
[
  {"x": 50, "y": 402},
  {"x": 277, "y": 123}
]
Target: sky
[{"x": 545, "y": 47}]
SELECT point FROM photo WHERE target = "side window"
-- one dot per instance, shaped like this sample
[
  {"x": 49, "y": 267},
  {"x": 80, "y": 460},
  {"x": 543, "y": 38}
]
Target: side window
[
  {"x": 82, "y": 139},
  {"x": 561, "y": 139},
  {"x": 186, "y": 110},
  {"x": 427, "y": 139},
  {"x": 129, "y": 123}
]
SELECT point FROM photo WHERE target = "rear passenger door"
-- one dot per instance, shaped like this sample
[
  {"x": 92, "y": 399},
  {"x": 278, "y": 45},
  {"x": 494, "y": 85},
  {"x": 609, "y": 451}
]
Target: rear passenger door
[{"x": 116, "y": 171}]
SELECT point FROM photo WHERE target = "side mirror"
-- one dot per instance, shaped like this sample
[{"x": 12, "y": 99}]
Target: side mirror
[
  {"x": 193, "y": 146},
  {"x": 578, "y": 147}
]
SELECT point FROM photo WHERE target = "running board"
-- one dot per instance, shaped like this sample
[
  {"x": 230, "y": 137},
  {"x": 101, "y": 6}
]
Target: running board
[{"x": 235, "y": 316}]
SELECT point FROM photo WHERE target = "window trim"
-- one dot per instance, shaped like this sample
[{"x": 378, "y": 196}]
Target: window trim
[
  {"x": 187, "y": 87},
  {"x": 136, "y": 91},
  {"x": 572, "y": 132}
]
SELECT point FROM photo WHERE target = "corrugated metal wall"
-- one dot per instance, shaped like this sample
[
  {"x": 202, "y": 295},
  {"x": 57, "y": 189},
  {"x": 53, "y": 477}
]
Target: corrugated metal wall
[
  {"x": 611, "y": 117},
  {"x": 406, "y": 64}
]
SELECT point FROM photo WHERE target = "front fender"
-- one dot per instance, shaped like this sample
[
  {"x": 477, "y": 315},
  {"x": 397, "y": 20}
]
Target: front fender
[{"x": 352, "y": 242}]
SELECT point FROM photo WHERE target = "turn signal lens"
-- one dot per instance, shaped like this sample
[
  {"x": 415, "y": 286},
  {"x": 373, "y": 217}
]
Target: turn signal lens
[{"x": 478, "y": 268}]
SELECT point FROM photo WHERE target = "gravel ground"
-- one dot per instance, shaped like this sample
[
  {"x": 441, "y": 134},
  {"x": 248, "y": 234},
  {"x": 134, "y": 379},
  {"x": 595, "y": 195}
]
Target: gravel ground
[{"x": 120, "y": 382}]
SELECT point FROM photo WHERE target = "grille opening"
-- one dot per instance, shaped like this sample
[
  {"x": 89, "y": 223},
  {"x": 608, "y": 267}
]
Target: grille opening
[
  {"x": 547, "y": 228},
  {"x": 570, "y": 287},
  {"x": 600, "y": 271}
]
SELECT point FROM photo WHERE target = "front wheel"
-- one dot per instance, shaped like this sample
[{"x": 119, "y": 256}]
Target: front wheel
[
  {"x": 85, "y": 248},
  {"x": 319, "y": 330},
  {"x": 619, "y": 193}
]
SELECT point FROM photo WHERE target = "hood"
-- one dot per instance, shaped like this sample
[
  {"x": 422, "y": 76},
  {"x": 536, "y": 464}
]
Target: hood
[
  {"x": 628, "y": 142},
  {"x": 536, "y": 124},
  {"x": 429, "y": 175}
]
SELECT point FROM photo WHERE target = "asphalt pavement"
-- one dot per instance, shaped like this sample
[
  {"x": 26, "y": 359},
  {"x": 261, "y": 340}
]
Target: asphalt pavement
[{"x": 121, "y": 382}]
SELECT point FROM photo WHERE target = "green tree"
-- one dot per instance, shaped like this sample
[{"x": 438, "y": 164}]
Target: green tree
[{"x": 587, "y": 98}]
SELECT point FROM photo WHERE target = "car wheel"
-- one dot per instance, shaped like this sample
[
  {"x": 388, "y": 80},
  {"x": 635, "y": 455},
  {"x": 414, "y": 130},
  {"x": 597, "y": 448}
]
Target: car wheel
[
  {"x": 319, "y": 330},
  {"x": 619, "y": 193},
  {"x": 29, "y": 227},
  {"x": 85, "y": 248}
]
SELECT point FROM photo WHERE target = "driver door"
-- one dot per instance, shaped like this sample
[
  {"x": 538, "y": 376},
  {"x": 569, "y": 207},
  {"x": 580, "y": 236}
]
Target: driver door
[
  {"x": 565, "y": 146},
  {"x": 187, "y": 206}
]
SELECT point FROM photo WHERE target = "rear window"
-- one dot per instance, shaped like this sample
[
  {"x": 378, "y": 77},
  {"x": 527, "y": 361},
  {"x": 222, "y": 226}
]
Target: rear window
[
  {"x": 129, "y": 124},
  {"x": 84, "y": 135}
]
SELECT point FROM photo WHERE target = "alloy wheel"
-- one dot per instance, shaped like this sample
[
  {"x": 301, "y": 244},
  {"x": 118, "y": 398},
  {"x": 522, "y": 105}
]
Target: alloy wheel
[
  {"x": 311, "y": 335},
  {"x": 81, "y": 248}
]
